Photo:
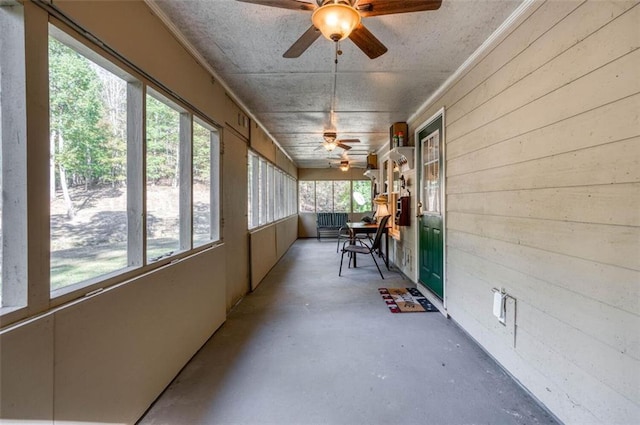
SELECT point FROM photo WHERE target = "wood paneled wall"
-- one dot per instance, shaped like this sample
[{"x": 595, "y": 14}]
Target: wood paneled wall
[
  {"x": 269, "y": 244},
  {"x": 543, "y": 182}
]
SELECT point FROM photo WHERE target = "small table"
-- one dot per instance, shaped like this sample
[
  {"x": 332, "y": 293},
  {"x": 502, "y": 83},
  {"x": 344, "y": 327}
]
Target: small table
[{"x": 369, "y": 228}]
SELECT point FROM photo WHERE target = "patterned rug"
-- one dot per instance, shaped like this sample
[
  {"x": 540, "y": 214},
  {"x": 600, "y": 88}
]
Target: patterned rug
[{"x": 406, "y": 300}]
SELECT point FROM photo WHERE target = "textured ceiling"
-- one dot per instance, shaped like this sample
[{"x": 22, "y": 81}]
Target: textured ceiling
[{"x": 292, "y": 98}]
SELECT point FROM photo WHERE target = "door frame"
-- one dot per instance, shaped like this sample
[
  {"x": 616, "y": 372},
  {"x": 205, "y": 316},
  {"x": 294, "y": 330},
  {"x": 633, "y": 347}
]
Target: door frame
[{"x": 440, "y": 114}]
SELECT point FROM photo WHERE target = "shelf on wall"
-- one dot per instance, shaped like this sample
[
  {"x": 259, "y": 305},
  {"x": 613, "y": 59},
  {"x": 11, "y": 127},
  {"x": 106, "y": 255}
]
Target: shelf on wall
[
  {"x": 403, "y": 156},
  {"x": 372, "y": 173}
]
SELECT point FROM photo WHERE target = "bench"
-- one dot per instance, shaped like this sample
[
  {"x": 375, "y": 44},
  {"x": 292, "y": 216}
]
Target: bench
[{"x": 328, "y": 224}]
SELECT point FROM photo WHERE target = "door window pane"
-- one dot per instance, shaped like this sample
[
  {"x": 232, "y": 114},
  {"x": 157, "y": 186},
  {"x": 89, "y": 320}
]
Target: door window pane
[
  {"x": 88, "y": 208},
  {"x": 431, "y": 173},
  {"x": 163, "y": 185}
]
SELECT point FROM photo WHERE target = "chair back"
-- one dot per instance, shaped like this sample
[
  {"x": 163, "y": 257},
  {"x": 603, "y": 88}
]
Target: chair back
[
  {"x": 324, "y": 219},
  {"x": 340, "y": 219},
  {"x": 381, "y": 228}
]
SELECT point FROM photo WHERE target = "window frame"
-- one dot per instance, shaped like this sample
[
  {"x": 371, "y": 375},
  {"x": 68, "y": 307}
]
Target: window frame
[
  {"x": 269, "y": 192},
  {"x": 215, "y": 175},
  {"x": 333, "y": 192},
  {"x": 185, "y": 134},
  {"x": 37, "y": 290},
  {"x": 15, "y": 289}
]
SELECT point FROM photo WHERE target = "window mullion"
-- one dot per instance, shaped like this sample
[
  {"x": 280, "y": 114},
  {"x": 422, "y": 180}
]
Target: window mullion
[
  {"x": 255, "y": 191},
  {"x": 185, "y": 182},
  {"x": 214, "y": 186},
  {"x": 333, "y": 196},
  {"x": 14, "y": 166},
  {"x": 136, "y": 164},
  {"x": 351, "y": 196}
]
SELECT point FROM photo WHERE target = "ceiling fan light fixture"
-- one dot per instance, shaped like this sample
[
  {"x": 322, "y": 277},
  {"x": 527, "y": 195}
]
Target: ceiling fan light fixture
[
  {"x": 330, "y": 146},
  {"x": 335, "y": 20}
]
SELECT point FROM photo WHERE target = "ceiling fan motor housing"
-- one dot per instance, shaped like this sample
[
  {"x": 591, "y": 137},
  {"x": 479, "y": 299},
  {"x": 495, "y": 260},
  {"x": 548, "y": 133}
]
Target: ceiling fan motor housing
[{"x": 329, "y": 136}]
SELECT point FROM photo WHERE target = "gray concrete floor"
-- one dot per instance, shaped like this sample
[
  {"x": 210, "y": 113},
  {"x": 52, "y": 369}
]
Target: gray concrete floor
[{"x": 309, "y": 347}]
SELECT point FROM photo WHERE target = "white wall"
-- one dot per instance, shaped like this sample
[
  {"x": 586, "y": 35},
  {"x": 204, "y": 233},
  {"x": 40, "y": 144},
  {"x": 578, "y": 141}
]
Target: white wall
[{"x": 543, "y": 182}]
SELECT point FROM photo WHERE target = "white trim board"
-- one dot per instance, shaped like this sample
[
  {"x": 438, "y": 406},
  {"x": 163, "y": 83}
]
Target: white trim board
[{"x": 440, "y": 114}]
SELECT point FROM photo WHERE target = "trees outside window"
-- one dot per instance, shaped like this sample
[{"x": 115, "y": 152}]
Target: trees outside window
[
  {"x": 206, "y": 145},
  {"x": 91, "y": 236},
  {"x": 324, "y": 196},
  {"x": 163, "y": 178},
  {"x": 88, "y": 173},
  {"x": 307, "y": 196},
  {"x": 335, "y": 196},
  {"x": 342, "y": 196},
  {"x": 361, "y": 194}
]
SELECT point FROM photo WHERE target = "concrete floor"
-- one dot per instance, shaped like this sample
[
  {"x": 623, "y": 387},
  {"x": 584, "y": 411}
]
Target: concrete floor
[{"x": 309, "y": 347}]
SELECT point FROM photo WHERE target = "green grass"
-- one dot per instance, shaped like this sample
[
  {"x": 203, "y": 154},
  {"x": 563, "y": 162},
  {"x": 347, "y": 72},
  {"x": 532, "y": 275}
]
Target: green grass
[{"x": 75, "y": 265}]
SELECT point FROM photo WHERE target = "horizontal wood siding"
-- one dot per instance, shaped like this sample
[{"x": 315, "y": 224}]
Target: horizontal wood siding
[{"x": 543, "y": 199}]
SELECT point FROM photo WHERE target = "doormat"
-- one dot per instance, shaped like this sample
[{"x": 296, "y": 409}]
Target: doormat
[{"x": 406, "y": 300}]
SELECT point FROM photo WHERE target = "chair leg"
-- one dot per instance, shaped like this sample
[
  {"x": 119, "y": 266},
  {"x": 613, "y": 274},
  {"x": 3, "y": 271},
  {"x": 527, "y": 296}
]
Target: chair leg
[
  {"x": 374, "y": 260},
  {"x": 341, "y": 258}
]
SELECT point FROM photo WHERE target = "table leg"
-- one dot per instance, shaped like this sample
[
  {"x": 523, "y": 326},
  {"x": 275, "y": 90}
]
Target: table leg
[{"x": 353, "y": 242}]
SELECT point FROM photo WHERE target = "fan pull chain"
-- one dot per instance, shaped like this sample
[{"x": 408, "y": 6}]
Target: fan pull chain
[{"x": 338, "y": 52}]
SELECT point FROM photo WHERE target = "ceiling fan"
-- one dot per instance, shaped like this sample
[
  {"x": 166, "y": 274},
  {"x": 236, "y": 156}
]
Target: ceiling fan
[
  {"x": 331, "y": 142},
  {"x": 339, "y": 19},
  {"x": 346, "y": 161},
  {"x": 345, "y": 164}
]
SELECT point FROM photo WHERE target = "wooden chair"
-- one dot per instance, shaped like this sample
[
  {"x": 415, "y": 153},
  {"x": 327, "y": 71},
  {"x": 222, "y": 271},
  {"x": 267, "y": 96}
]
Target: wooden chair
[{"x": 352, "y": 248}]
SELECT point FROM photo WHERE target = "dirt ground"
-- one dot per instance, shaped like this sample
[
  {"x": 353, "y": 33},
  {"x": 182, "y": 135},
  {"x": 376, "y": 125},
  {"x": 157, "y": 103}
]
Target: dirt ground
[{"x": 101, "y": 216}]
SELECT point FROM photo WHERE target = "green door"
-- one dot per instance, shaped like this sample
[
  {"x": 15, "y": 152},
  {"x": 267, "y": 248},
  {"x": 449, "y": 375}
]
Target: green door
[{"x": 431, "y": 248}]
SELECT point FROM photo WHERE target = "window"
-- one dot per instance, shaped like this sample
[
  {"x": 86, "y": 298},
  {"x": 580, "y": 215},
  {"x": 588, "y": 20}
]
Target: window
[
  {"x": 335, "y": 196},
  {"x": 162, "y": 177},
  {"x": 96, "y": 170},
  {"x": 361, "y": 194},
  {"x": 88, "y": 166},
  {"x": 342, "y": 196},
  {"x": 13, "y": 206},
  {"x": 324, "y": 196},
  {"x": 206, "y": 145},
  {"x": 271, "y": 194},
  {"x": 307, "y": 200},
  {"x": 254, "y": 190},
  {"x": 262, "y": 186},
  {"x": 100, "y": 155}
]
